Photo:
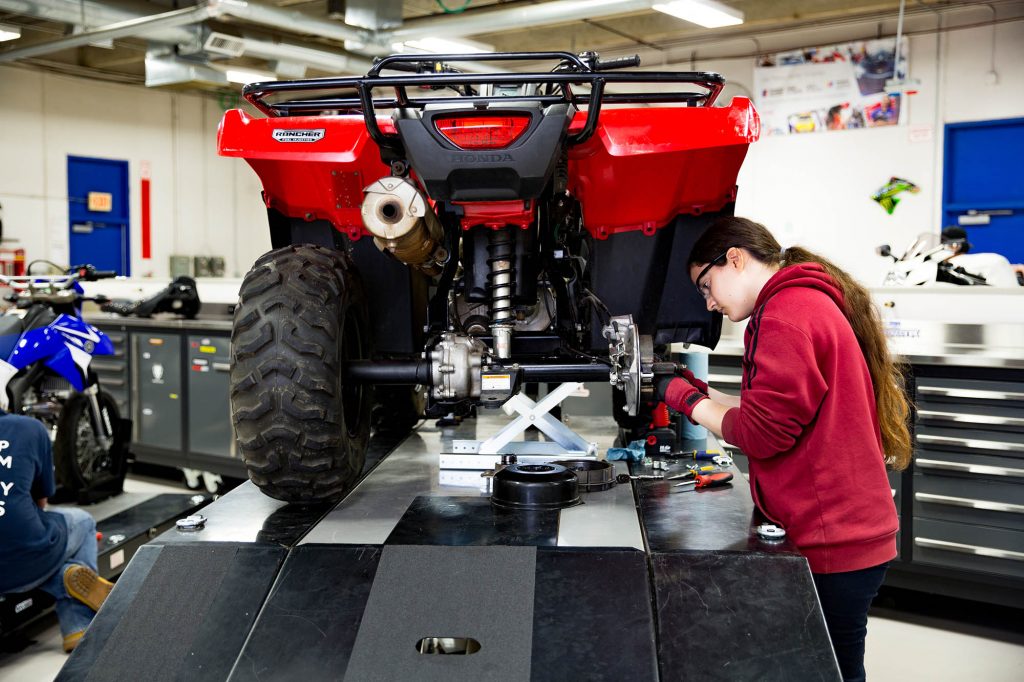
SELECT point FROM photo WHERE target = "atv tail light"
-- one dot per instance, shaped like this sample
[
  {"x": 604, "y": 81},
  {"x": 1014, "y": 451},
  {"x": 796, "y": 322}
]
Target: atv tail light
[{"x": 483, "y": 132}]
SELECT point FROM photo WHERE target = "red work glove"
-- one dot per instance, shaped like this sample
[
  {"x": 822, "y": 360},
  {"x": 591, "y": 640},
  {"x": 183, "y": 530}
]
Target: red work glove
[
  {"x": 697, "y": 383},
  {"x": 680, "y": 395}
]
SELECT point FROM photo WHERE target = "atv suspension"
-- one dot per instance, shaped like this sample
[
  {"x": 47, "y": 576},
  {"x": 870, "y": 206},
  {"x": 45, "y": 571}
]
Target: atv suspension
[{"x": 500, "y": 282}]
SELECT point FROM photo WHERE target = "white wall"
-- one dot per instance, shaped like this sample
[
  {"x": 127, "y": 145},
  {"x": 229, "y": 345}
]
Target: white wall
[
  {"x": 201, "y": 204},
  {"x": 815, "y": 189}
]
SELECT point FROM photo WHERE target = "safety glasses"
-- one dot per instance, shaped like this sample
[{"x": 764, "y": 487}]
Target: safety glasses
[{"x": 705, "y": 287}]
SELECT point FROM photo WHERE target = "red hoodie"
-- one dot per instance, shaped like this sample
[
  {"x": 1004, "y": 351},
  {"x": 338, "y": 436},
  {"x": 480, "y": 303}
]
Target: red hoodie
[{"x": 808, "y": 424}]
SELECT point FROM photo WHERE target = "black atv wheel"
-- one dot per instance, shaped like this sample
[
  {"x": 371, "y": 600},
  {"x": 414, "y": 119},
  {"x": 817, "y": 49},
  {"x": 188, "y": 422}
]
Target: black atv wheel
[
  {"x": 302, "y": 429},
  {"x": 80, "y": 460}
]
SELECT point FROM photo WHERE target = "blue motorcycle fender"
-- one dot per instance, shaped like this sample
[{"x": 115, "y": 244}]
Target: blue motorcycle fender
[
  {"x": 48, "y": 344},
  {"x": 84, "y": 335}
]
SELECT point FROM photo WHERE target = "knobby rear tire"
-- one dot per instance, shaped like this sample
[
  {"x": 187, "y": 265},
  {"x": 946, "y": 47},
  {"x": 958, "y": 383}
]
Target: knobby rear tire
[{"x": 302, "y": 430}]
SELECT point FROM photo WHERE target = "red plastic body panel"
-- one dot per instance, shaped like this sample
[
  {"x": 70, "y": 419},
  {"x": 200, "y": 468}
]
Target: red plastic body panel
[
  {"x": 496, "y": 214},
  {"x": 309, "y": 180},
  {"x": 641, "y": 168},
  {"x": 644, "y": 166}
]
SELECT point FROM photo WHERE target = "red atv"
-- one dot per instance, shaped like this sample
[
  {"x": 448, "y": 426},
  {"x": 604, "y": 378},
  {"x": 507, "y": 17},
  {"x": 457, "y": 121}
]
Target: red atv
[{"x": 466, "y": 233}]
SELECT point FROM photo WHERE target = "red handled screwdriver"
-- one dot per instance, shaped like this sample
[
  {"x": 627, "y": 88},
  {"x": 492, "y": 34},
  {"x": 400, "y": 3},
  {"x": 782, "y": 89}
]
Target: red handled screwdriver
[{"x": 708, "y": 481}]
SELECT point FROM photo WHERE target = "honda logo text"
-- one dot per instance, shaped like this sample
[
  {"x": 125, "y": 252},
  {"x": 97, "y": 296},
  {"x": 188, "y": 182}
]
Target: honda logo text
[{"x": 481, "y": 158}]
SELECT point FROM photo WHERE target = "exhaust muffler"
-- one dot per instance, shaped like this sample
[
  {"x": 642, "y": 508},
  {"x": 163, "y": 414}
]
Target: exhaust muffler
[{"x": 403, "y": 224}]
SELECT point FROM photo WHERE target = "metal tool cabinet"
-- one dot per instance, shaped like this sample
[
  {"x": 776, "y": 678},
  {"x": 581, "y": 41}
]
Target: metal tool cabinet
[
  {"x": 961, "y": 502},
  {"x": 171, "y": 378},
  {"x": 967, "y": 479}
]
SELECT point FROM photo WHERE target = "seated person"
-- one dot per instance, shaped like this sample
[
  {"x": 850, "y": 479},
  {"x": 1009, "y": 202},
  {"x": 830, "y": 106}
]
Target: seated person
[
  {"x": 996, "y": 269},
  {"x": 53, "y": 550}
]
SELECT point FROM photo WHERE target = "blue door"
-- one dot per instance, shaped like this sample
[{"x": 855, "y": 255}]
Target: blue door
[
  {"x": 98, "y": 213},
  {"x": 982, "y": 189}
]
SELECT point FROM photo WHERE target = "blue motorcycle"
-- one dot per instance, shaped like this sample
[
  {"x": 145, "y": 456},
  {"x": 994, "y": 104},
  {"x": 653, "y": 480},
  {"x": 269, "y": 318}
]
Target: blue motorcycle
[{"x": 45, "y": 374}]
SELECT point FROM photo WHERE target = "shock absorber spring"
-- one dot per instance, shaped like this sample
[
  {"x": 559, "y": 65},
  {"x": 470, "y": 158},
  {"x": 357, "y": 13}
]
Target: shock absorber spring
[{"x": 500, "y": 280}]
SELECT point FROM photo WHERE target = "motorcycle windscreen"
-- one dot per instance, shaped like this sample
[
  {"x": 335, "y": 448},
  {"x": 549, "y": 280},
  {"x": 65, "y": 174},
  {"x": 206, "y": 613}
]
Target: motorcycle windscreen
[{"x": 647, "y": 276}]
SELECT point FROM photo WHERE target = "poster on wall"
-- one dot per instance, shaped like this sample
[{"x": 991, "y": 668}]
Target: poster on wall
[{"x": 833, "y": 87}]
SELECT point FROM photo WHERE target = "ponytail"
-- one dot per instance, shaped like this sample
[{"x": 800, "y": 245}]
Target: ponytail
[{"x": 891, "y": 402}]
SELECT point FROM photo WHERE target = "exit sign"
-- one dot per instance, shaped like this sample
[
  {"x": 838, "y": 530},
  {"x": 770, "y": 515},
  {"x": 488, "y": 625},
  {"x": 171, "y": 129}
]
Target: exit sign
[{"x": 101, "y": 202}]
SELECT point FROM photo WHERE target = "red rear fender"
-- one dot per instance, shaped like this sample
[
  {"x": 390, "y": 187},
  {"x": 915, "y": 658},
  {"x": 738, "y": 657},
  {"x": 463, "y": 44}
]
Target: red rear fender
[
  {"x": 312, "y": 167},
  {"x": 644, "y": 166}
]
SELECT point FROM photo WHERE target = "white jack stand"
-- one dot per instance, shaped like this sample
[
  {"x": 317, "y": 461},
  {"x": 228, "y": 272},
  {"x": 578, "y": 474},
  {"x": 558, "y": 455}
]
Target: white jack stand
[{"x": 564, "y": 444}]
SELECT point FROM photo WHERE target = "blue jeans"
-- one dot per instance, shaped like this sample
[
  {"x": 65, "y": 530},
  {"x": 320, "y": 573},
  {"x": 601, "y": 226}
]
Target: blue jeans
[
  {"x": 845, "y": 598},
  {"x": 74, "y": 616}
]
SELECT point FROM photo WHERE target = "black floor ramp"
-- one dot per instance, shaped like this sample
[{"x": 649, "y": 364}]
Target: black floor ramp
[
  {"x": 307, "y": 629},
  {"x": 426, "y": 597},
  {"x": 179, "y": 612},
  {"x": 592, "y": 617},
  {"x": 759, "y": 609}
]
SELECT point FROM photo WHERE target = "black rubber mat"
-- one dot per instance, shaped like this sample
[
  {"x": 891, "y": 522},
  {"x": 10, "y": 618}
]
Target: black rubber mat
[
  {"x": 587, "y": 604},
  {"x": 463, "y": 521},
  {"x": 482, "y": 593},
  {"x": 188, "y": 620},
  {"x": 308, "y": 626},
  {"x": 760, "y": 608}
]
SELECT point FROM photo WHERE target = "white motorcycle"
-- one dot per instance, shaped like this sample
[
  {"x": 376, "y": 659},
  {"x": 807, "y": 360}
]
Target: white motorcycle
[{"x": 926, "y": 262}]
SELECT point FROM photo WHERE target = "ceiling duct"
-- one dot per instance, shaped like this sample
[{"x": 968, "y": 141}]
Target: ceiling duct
[
  {"x": 166, "y": 69},
  {"x": 374, "y": 15}
]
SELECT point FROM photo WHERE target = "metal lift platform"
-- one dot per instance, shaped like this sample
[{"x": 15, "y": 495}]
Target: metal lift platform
[{"x": 638, "y": 583}]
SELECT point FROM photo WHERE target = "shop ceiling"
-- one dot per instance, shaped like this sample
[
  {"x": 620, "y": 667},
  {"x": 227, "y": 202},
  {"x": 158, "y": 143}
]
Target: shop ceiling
[{"x": 167, "y": 43}]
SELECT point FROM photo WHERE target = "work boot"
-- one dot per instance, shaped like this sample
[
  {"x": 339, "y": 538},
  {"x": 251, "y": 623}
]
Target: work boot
[
  {"x": 72, "y": 640},
  {"x": 82, "y": 583}
]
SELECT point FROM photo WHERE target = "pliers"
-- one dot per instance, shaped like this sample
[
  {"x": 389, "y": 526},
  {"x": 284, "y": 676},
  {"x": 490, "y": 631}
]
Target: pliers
[{"x": 708, "y": 481}]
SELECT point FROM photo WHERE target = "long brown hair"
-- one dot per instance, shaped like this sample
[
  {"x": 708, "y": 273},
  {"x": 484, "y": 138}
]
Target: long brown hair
[{"x": 886, "y": 375}]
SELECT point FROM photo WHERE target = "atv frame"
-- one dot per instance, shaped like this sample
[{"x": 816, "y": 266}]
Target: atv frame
[{"x": 515, "y": 256}]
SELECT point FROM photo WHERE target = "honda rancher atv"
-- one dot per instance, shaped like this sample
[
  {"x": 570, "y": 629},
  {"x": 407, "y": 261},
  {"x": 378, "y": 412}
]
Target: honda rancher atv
[{"x": 466, "y": 232}]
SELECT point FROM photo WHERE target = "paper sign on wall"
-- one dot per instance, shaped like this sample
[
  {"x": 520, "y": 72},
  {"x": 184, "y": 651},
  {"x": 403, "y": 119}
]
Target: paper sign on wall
[
  {"x": 833, "y": 87},
  {"x": 101, "y": 202}
]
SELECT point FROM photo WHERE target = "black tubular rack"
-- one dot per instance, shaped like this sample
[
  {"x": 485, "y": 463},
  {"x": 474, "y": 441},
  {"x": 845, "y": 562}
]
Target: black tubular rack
[{"x": 354, "y": 95}]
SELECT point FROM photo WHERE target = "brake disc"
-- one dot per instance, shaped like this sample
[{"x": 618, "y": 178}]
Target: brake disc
[{"x": 632, "y": 355}]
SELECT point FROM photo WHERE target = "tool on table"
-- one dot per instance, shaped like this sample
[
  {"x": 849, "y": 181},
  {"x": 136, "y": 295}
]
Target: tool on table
[
  {"x": 708, "y": 481},
  {"x": 771, "y": 533},
  {"x": 724, "y": 461},
  {"x": 626, "y": 478},
  {"x": 706, "y": 455}
]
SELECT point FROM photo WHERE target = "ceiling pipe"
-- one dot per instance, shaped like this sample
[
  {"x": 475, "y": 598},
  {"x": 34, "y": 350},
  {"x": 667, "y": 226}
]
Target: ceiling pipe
[
  {"x": 320, "y": 59},
  {"x": 140, "y": 26},
  {"x": 489, "y": 21},
  {"x": 96, "y": 14},
  {"x": 289, "y": 20}
]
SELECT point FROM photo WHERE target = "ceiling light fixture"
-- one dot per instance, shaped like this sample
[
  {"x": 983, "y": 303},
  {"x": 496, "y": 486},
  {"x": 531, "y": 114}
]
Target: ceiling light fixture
[
  {"x": 245, "y": 77},
  {"x": 706, "y": 13},
  {"x": 445, "y": 46},
  {"x": 8, "y": 32}
]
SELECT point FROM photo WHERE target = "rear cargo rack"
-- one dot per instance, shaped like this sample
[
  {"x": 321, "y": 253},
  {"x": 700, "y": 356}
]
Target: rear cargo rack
[{"x": 355, "y": 95}]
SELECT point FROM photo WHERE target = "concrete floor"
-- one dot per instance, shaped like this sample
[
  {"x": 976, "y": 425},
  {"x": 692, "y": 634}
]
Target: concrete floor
[{"x": 901, "y": 646}]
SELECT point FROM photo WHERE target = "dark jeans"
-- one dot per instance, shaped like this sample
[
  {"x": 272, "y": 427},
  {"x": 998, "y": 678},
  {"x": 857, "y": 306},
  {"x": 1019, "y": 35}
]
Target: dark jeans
[{"x": 845, "y": 598}]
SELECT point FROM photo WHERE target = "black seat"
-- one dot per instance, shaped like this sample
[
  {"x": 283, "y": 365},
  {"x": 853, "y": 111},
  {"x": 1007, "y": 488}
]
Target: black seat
[{"x": 11, "y": 327}]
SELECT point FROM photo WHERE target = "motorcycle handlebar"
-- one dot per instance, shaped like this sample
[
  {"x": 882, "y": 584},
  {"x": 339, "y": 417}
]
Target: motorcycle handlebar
[
  {"x": 619, "y": 63},
  {"x": 88, "y": 273}
]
